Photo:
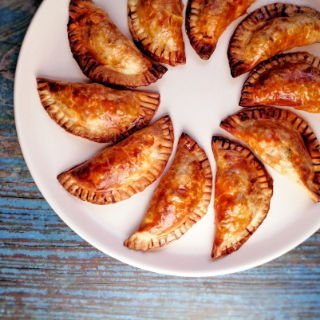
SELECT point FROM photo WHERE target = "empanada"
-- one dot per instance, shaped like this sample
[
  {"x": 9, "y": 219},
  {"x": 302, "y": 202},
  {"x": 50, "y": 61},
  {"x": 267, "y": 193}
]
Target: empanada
[
  {"x": 181, "y": 199},
  {"x": 156, "y": 28},
  {"x": 243, "y": 190},
  {"x": 95, "y": 112},
  {"x": 206, "y": 20},
  {"x": 282, "y": 140},
  {"x": 269, "y": 30},
  {"x": 118, "y": 172},
  {"x": 103, "y": 53},
  {"x": 291, "y": 79}
]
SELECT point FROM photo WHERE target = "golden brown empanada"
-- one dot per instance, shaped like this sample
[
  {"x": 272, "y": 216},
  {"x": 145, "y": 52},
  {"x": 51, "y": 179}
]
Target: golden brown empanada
[
  {"x": 118, "y": 172},
  {"x": 103, "y": 53},
  {"x": 243, "y": 190},
  {"x": 181, "y": 199},
  {"x": 270, "y": 30},
  {"x": 291, "y": 79},
  {"x": 206, "y": 20},
  {"x": 282, "y": 140},
  {"x": 155, "y": 26},
  {"x": 95, "y": 112}
]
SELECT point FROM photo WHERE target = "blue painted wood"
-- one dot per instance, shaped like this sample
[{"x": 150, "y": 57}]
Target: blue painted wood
[{"x": 48, "y": 272}]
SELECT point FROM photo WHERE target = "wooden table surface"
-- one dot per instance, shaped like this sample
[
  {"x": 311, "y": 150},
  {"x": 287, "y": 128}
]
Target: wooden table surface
[{"x": 49, "y": 272}]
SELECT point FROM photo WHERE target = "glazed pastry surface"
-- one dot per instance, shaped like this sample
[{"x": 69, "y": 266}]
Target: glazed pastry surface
[
  {"x": 103, "y": 53},
  {"x": 291, "y": 79},
  {"x": 206, "y": 20},
  {"x": 180, "y": 200},
  {"x": 282, "y": 140},
  {"x": 96, "y": 112},
  {"x": 118, "y": 172},
  {"x": 243, "y": 190},
  {"x": 270, "y": 30},
  {"x": 156, "y": 28}
]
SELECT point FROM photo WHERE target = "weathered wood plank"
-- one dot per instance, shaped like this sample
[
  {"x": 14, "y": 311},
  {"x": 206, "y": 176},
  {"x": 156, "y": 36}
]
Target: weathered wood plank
[{"x": 48, "y": 272}]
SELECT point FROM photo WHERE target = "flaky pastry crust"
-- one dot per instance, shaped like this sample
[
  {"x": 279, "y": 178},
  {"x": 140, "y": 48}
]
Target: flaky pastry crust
[
  {"x": 118, "y": 172},
  {"x": 96, "y": 112},
  {"x": 206, "y": 20},
  {"x": 282, "y": 140},
  {"x": 291, "y": 79},
  {"x": 243, "y": 190},
  {"x": 181, "y": 199},
  {"x": 156, "y": 28},
  {"x": 103, "y": 53},
  {"x": 270, "y": 30}
]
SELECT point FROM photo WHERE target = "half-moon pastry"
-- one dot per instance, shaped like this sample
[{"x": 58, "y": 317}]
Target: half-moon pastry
[
  {"x": 243, "y": 190},
  {"x": 95, "y": 112},
  {"x": 291, "y": 79},
  {"x": 118, "y": 172},
  {"x": 206, "y": 20},
  {"x": 270, "y": 30},
  {"x": 180, "y": 200},
  {"x": 282, "y": 140},
  {"x": 156, "y": 28},
  {"x": 103, "y": 53}
]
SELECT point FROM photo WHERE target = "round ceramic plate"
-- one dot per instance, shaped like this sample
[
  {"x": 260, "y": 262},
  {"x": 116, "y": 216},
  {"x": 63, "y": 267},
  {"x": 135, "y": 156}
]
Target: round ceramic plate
[{"x": 197, "y": 96}]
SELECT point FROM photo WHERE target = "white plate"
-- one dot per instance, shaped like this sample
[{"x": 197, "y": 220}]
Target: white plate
[{"x": 197, "y": 96}]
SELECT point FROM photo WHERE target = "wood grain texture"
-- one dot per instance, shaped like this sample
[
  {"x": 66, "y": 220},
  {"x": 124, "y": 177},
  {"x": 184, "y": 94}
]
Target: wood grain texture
[{"x": 48, "y": 272}]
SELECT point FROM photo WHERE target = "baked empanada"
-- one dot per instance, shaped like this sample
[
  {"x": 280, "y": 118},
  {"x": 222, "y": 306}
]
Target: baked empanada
[
  {"x": 206, "y": 20},
  {"x": 103, "y": 53},
  {"x": 156, "y": 28},
  {"x": 291, "y": 79},
  {"x": 95, "y": 112},
  {"x": 269, "y": 30},
  {"x": 118, "y": 172},
  {"x": 243, "y": 190},
  {"x": 181, "y": 199},
  {"x": 282, "y": 140}
]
